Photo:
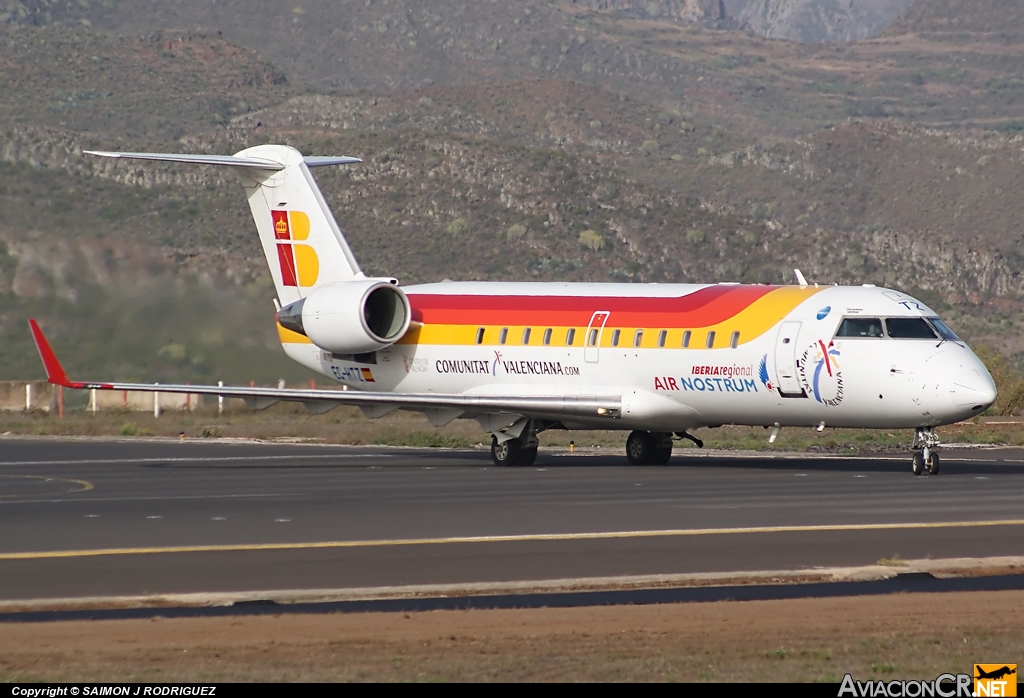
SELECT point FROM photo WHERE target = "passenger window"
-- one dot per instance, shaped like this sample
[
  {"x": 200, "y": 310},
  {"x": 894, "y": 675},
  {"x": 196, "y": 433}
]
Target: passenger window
[
  {"x": 686, "y": 339},
  {"x": 661, "y": 338},
  {"x": 593, "y": 338},
  {"x": 480, "y": 335},
  {"x": 909, "y": 328},
  {"x": 860, "y": 327},
  {"x": 638, "y": 337},
  {"x": 570, "y": 336},
  {"x": 526, "y": 336},
  {"x": 547, "y": 336},
  {"x": 711, "y": 340},
  {"x": 615, "y": 338},
  {"x": 735, "y": 340},
  {"x": 503, "y": 335}
]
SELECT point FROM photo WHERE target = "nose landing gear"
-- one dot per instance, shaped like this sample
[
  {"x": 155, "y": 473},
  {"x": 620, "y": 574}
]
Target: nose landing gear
[{"x": 925, "y": 457}]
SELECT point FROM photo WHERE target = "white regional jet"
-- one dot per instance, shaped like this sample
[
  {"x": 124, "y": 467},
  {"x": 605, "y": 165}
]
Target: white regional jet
[{"x": 655, "y": 359}]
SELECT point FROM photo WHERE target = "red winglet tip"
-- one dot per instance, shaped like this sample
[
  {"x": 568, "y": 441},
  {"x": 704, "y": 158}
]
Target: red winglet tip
[{"x": 54, "y": 371}]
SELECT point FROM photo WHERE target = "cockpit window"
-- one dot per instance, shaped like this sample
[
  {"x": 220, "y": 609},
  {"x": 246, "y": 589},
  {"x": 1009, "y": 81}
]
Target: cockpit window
[
  {"x": 909, "y": 328},
  {"x": 860, "y": 327},
  {"x": 943, "y": 329}
]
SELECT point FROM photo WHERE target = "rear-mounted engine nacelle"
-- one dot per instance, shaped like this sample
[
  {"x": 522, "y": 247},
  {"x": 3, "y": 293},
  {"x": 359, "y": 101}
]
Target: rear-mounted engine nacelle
[{"x": 350, "y": 317}]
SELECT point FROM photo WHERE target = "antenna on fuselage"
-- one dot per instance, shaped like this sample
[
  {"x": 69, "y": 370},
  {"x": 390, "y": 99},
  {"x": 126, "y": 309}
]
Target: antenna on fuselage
[{"x": 800, "y": 277}]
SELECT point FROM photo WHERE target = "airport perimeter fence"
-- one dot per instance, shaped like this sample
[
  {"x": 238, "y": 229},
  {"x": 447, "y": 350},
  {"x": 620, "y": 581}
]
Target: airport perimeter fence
[{"x": 49, "y": 398}]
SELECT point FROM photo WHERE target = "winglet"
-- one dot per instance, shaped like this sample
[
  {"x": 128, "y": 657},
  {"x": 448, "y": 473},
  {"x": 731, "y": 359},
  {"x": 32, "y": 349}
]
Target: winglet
[{"x": 54, "y": 371}]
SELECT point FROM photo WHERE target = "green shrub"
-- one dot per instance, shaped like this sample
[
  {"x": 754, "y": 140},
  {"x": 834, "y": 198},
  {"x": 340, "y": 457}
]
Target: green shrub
[
  {"x": 515, "y": 232},
  {"x": 459, "y": 226},
  {"x": 649, "y": 147},
  {"x": 591, "y": 240}
]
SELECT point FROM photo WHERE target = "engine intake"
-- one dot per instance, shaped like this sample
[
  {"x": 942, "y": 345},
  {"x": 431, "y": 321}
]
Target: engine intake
[{"x": 350, "y": 317}]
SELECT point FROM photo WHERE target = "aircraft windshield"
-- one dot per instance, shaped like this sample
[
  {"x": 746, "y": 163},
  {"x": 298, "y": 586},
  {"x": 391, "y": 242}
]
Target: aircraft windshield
[
  {"x": 860, "y": 327},
  {"x": 909, "y": 328},
  {"x": 943, "y": 329}
]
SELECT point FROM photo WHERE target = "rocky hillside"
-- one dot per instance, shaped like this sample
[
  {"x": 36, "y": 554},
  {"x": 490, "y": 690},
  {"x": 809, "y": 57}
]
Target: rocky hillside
[
  {"x": 166, "y": 83},
  {"x": 561, "y": 143},
  {"x": 685, "y": 10},
  {"x": 818, "y": 20},
  {"x": 1003, "y": 18},
  {"x": 794, "y": 20}
]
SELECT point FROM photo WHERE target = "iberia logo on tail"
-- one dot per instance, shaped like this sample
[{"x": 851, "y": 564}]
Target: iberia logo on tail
[{"x": 299, "y": 263}]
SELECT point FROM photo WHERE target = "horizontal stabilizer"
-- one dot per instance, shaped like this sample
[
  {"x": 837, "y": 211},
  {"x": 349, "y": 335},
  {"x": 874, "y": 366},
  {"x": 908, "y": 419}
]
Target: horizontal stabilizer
[
  {"x": 325, "y": 160},
  {"x": 228, "y": 160}
]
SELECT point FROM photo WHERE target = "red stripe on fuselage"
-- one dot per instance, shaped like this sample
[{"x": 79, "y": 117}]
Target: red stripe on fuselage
[{"x": 702, "y": 308}]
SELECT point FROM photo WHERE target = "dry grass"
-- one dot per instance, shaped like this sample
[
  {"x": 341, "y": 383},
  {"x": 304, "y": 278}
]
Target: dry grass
[
  {"x": 890, "y": 637},
  {"x": 347, "y": 425}
]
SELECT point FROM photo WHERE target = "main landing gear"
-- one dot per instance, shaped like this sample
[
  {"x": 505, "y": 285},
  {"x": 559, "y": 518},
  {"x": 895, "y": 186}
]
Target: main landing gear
[
  {"x": 925, "y": 457},
  {"x": 521, "y": 450},
  {"x": 648, "y": 448}
]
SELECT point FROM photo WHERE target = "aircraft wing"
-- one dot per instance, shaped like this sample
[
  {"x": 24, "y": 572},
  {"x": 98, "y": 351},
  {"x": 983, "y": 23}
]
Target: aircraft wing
[{"x": 553, "y": 406}]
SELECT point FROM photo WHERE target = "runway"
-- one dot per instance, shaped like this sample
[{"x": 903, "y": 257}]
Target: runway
[{"x": 93, "y": 518}]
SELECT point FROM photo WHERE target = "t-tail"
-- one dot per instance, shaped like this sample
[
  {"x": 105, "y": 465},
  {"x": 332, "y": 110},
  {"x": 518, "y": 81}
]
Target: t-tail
[{"x": 324, "y": 297}]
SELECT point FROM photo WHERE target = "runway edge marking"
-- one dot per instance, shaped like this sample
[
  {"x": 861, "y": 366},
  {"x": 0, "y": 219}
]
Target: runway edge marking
[{"x": 538, "y": 537}]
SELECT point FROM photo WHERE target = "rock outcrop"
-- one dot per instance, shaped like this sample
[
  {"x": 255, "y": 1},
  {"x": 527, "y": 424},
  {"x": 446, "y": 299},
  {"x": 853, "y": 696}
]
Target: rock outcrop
[
  {"x": 1004, "y": 17},
  {"x": 819, "y": 20},
  {"x": 690, "y": 10}
]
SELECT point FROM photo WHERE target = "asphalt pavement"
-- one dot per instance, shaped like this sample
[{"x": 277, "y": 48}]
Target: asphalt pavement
[{"x": 100, "y": 518}]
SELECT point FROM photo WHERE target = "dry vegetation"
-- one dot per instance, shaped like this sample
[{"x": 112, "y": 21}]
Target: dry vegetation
[
  {"x": 346, "y": 425},
  {"x": 912, "y": 636}
]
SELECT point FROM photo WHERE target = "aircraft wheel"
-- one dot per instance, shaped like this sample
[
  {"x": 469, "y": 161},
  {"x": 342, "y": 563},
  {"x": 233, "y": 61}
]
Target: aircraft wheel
[
  {"x": 640, "y": 448},
  {"x": 662, "y": 456},
  {"x": 918, "y": 463},
  {"x": 662, "y": 449},
  {"x": 506, "y": 453},
  {"x": 932, "y": 463},
  {"x": 527, "y": 457}
]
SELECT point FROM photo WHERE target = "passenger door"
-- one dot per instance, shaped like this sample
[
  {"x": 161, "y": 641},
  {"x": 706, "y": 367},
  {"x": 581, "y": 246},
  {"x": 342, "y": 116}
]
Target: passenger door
[
  {"x": 592, "y": 339},
  {"x": 785, "y": 360}
]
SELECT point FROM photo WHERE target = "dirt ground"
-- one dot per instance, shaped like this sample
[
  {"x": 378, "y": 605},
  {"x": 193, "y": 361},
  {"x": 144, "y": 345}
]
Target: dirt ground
[{"x": 887, "y": 637}]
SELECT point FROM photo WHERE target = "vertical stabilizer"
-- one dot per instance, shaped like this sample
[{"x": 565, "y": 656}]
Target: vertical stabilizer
[
  {"x": 304, "y": 246},
  {"x": 302, "y": 242}
]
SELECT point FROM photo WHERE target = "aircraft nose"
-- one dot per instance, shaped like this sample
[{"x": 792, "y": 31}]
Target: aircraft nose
[{"x": 973, "y": 388}]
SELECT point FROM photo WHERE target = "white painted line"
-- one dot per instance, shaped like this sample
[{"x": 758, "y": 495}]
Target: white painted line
[
  {"x": 211, "y": 459},
  {"x": 155, "y": 499}
]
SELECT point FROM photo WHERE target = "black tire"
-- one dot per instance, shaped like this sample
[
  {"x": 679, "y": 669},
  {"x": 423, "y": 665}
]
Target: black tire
[
  {"x": 640, "y": 448},
  {"x": 527, "y": 457},
  {"x": 932, "y": 463},
  {"x": 917, "y": 464},
  {"x": 506, "y": 453},
  {"x": 662, "y": 449}
]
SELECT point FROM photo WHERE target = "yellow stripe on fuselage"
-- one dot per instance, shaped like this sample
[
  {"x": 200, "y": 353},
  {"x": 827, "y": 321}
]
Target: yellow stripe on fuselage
[{"x": 751, "y": 322}]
